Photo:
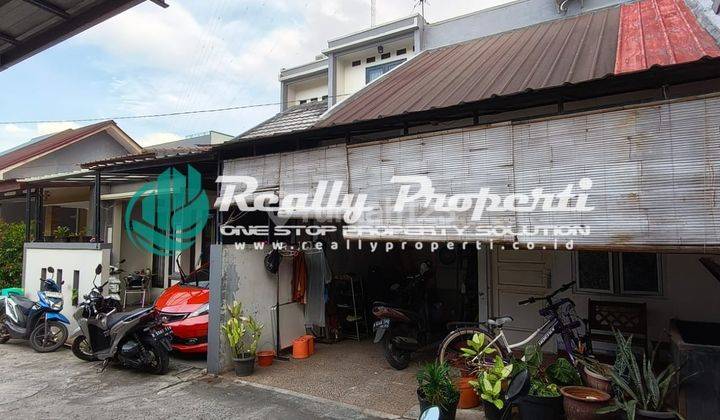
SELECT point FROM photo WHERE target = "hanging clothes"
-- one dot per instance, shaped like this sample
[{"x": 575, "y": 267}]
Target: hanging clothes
[
  {"x": 318, "y": 274},
  {"x": 299, "y": 279}
]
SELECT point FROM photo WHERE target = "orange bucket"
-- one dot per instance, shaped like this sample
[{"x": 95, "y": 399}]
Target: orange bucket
[
  {"x": 468, "y": 397},
  {"x": 300, "y": 348},
  {"x": 265, "y": 358},
  {"x": 311, "y": 343}
]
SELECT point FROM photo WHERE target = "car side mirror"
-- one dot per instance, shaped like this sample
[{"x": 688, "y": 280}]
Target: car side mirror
[
  {"x": 50, "y": 270},
  {"x": 98, "y": 269}
]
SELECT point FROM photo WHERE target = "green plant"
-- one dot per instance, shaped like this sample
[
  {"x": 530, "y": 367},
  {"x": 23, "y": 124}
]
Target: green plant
[
  {"x": 490, "y": 380},
  {"x": 640, "y": 387},
  {"x": 12, "y": 238},
  {"x": 242, "y": 332},
  {"x": 475, "y": 350},
  {"x": 546, "y": 381},
  {"x": 436, "y": 386},
  {"x": 61, "y": 232}
]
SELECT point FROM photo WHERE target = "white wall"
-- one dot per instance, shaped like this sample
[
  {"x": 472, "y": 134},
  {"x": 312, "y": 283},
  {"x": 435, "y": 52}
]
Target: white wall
[
  {"x": 67, "y": 257},
  {"x": 351, "y": 79},
  {"x": 316, "y": 87}
]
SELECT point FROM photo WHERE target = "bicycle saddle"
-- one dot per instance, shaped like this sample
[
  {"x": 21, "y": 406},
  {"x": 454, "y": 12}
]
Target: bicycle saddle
[{"x": 499, "y": 321}]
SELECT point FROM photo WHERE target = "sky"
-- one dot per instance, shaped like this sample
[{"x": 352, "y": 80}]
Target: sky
[{"x": 196, "y": 54}]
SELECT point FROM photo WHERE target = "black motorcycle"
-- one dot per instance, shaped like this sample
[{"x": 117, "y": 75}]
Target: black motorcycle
[
  {"x": 403, "y": 331},
  {"x": 135, "y": 339}
]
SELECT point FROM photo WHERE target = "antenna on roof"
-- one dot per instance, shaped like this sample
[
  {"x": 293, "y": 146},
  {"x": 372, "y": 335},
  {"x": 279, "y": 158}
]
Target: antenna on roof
[
  {"x": 372, "y": 13},
  {"x": 421, "y": 3}
]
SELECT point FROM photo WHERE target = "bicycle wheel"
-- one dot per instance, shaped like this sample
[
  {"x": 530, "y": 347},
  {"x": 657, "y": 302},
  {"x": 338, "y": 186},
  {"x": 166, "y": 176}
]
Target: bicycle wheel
[{"x": 450, "y": 349}]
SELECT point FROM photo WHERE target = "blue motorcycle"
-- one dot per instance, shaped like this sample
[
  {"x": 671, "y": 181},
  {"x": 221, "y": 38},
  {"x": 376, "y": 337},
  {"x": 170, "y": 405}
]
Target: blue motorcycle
[{"x": 40, "y": 322}]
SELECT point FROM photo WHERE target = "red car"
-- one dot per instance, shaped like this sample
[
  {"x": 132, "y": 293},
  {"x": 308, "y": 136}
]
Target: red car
[{"x": 184, "y": 308}]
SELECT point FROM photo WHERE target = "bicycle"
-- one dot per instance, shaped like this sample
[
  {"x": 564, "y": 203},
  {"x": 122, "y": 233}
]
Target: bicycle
[{"x": 561, "y": 319}]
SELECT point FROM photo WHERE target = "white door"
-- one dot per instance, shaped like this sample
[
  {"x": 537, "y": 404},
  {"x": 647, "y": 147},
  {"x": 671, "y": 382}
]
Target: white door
[{"x": 517, "y": 275}]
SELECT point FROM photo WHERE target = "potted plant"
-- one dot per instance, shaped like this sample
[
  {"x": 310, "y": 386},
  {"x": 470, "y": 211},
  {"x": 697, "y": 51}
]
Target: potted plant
[
  {"x": 640, "y": 393},
  {"x": 596, "y": 374},
  {"x": 62, "y": 233},
  {"x": 544, "y": 401},
  {"x": 476, "y": 357},
  {"x": 435, "y": 388},
  {"x": 243, "y": 335},
  {"x": 489, "y": 385}
]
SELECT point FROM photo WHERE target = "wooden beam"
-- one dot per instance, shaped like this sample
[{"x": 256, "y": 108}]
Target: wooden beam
[
  {"x": 49, "y": 7},
  {"x": 9, "y": 38}
]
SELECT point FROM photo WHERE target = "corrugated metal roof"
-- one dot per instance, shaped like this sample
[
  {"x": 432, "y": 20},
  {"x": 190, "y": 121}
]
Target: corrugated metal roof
[
  {"x": 49, "y": 143},
  {"x": 549, "y": 54},
  {"x": 660, "y": 32},
  {"x": 147, "y": 155},
  {"x": 28, "y": 27},
  {"x": 295, "y": 118}
]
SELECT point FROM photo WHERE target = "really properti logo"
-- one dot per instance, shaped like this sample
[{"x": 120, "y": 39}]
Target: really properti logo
[{"x": 174, "y": 209}]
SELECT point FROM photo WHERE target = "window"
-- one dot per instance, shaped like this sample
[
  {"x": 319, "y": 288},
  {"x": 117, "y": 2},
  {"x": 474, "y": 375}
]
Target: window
[
  {"x": 324, "y": 97},
  {"x": 626, "y": 273},
  {"x": 370, "y": 60},
  {"x": 385, "y": 56},
  {"x": 640, "y": 273},
  {"x": 594, "y": 272},
  {"x": 401, "y": 51},
  {"x": 303, "y": 101},
  {"x": 372, "y": 73},
  {"x": 356, "y": 63}
]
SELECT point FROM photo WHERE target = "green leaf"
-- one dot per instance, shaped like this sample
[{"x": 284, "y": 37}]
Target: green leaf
[{"x": 499, "y": 404}]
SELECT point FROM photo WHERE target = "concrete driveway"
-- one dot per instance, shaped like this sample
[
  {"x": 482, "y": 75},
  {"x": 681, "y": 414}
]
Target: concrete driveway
[{"x": 60, "y": 386}]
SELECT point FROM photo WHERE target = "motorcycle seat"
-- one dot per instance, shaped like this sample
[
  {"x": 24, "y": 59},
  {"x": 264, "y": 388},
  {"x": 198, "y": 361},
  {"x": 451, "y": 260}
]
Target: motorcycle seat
[
  {"x": 24, "y": 303},
  {"x": 499, "y": 321},
  {"x": 117, "y": 317}
]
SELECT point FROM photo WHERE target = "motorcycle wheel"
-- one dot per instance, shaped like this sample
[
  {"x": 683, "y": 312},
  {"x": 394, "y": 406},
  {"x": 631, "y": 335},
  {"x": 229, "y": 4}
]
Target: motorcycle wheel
[
  {"x": 4, "y": 333},
  {"x": 82, "y": 350},
  {"x": 160, "y": 359},
  {"x": 42, "y": 342},
  {"x": 397, "y": 358}
]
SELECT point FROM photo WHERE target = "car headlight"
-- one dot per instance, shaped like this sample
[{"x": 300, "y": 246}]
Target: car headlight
[{"x": 203, "y": 310}]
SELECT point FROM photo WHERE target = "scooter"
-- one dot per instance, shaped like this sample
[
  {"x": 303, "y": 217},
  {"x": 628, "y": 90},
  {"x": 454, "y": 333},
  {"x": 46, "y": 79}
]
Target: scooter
[
  {"x": 40, "y": 322},
  {"x": 403, "y": 331},
  {"x": 135, "y": 339}
]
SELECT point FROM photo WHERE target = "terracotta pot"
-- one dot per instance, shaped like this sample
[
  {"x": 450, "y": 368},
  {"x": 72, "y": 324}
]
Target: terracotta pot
[
  {"x": 645, "y": 414},
  {"x": 468, "y": 397},
  {"x": 265, "y": 358},
  {"x": 597, "y": 381},
  {"x": 582, "y": 403}
]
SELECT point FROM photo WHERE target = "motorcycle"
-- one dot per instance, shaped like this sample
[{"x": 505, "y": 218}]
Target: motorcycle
[
  {"x": 113, "y": 299},
  {"x": 403, "y": 331},
  {"x": 136, "y": 339},
  {"x": 39, "y": 322}
]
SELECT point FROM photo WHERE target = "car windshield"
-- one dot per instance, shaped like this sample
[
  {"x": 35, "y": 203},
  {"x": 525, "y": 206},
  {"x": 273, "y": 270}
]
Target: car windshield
[{"x": 198, "y": 278}]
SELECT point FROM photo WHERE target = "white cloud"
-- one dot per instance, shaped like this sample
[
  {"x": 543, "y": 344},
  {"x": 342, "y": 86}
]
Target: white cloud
[{"x": 217, "y": 54}]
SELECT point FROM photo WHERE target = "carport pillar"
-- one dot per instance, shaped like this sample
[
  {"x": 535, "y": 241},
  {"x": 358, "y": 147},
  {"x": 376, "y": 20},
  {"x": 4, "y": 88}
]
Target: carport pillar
[
  {"x": 96, "y": 209},
  {"x": 39, "y": 229},
  {"x": 28, "y": 214}
]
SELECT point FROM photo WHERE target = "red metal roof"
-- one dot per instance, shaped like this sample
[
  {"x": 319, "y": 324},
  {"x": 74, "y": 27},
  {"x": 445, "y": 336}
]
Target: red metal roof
[
  {"x": 50, "y": 143},
  {"x": 550, "y": 54},
  {"x": 660, "y": 32}
]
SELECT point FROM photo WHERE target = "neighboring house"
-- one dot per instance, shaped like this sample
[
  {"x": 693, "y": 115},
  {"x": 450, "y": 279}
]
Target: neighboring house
[
  {"x": 57, "y": 153},
  {"x": 513, "y": 98},
  {"x": 211, "y": 138}
]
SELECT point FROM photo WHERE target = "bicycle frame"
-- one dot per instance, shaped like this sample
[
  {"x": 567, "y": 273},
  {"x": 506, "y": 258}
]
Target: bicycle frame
[{"x": 548, "y": 328}]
